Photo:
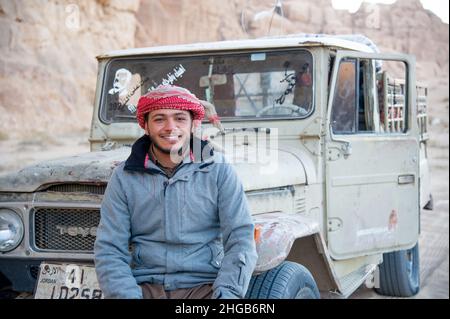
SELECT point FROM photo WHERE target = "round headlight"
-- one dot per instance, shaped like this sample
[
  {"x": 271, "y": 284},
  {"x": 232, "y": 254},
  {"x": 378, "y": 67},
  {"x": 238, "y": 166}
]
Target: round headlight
[{"x": 11, "y": 230}]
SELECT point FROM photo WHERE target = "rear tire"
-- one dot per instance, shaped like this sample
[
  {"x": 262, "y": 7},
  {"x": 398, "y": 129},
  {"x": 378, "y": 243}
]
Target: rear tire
[
  {"x": 289, "y": 280},
  {"x": 400, "y": 273}
]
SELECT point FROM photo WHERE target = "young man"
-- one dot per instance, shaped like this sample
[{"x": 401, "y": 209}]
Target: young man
[{"x": 174, "y": 219}]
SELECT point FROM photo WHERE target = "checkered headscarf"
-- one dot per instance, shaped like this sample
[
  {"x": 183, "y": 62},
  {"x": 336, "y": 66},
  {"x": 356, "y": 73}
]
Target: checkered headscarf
[{"x": 169, "y": 97}]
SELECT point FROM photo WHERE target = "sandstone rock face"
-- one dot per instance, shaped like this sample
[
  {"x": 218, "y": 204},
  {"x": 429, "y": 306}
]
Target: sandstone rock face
[
  {"x": 175, "y": 21},
  {"x": 48, "y": 48},
  {"x": 48, "y": 66},
  {"x": 402, "y": 27}
]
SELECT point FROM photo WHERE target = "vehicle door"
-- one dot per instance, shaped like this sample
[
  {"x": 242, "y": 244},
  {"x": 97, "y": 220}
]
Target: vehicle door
[{"x": 372, "y": 155}]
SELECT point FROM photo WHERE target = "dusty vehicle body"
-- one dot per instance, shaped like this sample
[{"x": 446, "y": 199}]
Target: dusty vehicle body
[{"x": 339, "y": 188}]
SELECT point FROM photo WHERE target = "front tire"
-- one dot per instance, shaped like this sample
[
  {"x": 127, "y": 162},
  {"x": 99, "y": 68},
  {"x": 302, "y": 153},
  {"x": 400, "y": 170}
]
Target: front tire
[
  {"x": 289, "y": 280},
  {"x": 400, "y": 273}
]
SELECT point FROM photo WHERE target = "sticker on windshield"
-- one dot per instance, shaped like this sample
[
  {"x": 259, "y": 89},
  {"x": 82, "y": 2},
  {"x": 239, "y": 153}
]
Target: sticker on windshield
[
  {"x": 126, "y": 89},
  {"x": 171, "y": 77},
  {"x": 121, "y": 82},
  {"x": 258, "y": 57},
  {"x": 291, "y": 81}
]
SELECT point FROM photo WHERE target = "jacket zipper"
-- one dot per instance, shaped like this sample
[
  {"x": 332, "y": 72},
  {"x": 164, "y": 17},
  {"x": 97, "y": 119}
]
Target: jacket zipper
[{"x": 166, "y": 183}]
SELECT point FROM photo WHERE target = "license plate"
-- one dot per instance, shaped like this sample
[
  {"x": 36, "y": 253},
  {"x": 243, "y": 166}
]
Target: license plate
[{"x": 67, "y": 281}]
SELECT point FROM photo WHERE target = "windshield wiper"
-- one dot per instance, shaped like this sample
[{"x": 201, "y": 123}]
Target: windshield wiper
[
  {"x": 241, "y": 129},
  {"x": 126, "y": 116}
]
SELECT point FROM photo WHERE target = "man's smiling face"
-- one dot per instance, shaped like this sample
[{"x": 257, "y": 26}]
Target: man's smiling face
[{"x": 169, "y": 129}]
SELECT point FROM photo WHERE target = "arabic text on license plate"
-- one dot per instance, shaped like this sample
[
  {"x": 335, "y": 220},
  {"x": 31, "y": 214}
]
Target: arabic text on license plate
[{"x": 67, "y": 281}]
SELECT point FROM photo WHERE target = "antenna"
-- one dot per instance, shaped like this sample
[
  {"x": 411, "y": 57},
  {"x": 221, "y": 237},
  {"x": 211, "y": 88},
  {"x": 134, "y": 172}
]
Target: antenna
[
  {"x": 278, "y": 9},
  {"x": 243, "y": 18}
]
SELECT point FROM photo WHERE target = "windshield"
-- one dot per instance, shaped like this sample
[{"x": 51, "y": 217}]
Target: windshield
[{"x": 241, "y": 86}]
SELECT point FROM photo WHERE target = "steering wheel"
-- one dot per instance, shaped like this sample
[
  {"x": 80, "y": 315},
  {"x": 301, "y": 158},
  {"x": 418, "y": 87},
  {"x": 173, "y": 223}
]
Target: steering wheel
[{"x": 293, "y": 108}]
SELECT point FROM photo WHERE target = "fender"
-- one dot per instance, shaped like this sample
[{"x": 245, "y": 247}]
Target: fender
[
  {"x": 275, "y": 234},
  {"x": 280, "y": 236}
]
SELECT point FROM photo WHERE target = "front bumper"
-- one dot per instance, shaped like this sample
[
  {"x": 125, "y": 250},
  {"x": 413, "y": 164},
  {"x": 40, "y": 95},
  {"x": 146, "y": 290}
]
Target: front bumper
[{"x": 21, "y": 273}]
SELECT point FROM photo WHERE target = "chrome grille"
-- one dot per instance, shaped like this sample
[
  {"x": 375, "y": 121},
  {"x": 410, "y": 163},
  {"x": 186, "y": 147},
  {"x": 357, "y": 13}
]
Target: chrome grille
[
  {"x": 66, "y": 229},
  {"x": 77, "y": 188}
]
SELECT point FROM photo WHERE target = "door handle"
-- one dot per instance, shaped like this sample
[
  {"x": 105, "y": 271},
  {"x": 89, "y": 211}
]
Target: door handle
[{"x": 406, "y": 179}]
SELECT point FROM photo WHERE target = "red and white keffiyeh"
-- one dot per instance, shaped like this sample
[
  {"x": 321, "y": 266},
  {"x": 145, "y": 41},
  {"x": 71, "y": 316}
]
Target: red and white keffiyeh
[{"x": 169, "y": 97}]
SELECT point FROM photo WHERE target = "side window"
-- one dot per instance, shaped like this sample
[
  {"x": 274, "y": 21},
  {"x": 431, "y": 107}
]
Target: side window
[
  {"x": 422, "y": 114},
  {"x": 343, "y": 116},
  {"x": 370, "y": 97},
  {"x": 392, "y": 96}
]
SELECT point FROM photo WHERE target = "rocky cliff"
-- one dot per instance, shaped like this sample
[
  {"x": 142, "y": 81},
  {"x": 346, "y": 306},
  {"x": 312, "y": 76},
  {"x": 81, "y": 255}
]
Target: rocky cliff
[
  {"x": 48, "y": 48},
  {"x": 48, "y": 66}
]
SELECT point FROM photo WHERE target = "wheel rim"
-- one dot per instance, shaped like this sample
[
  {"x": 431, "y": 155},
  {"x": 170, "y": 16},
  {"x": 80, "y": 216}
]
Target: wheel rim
[
  {"x": 305, "y": 293},
  {"x": 410, "y": 263},
  {"x": 412, "y": 266}
]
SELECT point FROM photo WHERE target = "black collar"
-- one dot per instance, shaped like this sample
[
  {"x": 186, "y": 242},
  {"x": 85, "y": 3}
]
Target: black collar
[{"x": 139, "y": 150}]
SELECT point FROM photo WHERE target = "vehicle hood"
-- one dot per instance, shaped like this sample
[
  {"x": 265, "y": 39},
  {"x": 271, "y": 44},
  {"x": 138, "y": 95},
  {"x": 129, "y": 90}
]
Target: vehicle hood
[
  {"x": 258, "y": 165},
  {"x": 93, "y": 167},
  {"x": 97, "y": 167},
  {"x": 284, "y": 170}
]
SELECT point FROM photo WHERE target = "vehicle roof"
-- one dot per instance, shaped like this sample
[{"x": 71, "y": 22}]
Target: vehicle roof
[{"x": 260, "y": 43}]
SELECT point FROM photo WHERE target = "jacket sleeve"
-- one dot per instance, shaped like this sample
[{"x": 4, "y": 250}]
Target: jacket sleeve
[
  {"x": 111, "y": 253},
  {"x": 238, "y": 237}
]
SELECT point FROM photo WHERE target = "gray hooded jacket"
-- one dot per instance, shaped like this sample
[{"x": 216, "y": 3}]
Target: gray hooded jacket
[{"x": 191, "y": 229}]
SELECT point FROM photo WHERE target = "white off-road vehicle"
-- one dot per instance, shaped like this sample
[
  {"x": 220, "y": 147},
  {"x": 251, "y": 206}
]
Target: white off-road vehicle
[{"x": 328, "y": 136}]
